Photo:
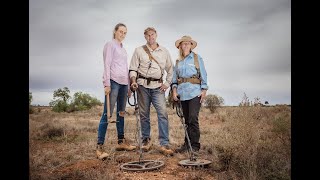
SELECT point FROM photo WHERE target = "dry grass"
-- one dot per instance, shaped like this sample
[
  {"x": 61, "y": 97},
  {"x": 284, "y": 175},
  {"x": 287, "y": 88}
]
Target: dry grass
[{"x": 242, "y": 142}]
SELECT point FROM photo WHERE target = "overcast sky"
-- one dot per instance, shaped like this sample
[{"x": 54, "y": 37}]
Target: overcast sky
[{"x": 245, "y": 44}]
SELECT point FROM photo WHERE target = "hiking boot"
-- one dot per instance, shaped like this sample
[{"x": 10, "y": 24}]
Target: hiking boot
[
  {"x": 182, "y": 149},
  {"x": 101, "y": 154},
  {"x": 166, "y": 150},
  {"x": 123, "y": 145},
  {"x": 195, "y": 149},
  {"x": 146, "y": 144}
]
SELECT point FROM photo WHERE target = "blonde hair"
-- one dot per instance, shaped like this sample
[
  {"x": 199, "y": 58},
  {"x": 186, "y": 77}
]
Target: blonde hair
[
  {"x": 181, "y": 55},
  {"x": 116, "y": 28}
]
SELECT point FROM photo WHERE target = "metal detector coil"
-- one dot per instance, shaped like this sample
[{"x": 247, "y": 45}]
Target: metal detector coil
[
  {"x": 144, "y": 165},
  {"x": 195, "y": 163}
]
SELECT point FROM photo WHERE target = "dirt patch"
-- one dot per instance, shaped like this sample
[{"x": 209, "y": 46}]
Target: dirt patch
[
  {"x": 79, "y": 166},
  {"x": 171, "y": 169}
]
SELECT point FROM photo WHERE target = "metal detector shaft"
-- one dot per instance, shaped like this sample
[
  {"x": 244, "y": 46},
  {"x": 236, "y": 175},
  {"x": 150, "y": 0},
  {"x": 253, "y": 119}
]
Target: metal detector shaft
[
  {"x": 180, "y": 114},
  {"x": 192, "y": 158},
  {"x": 137, "y": 113}
]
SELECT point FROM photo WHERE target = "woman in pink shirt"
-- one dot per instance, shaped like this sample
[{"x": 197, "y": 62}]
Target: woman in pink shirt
[{"x": 115, "y": 81}]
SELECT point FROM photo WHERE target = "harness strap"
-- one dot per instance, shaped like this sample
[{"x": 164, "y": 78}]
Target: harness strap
[
  {"x": 193, "y": 80},
  {"x": 152, "y": 58}
]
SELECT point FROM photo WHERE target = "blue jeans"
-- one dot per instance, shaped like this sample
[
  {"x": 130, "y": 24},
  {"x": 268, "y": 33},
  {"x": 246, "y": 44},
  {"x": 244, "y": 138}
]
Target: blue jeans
[
  {"x": 145, "y": 97},
  {"x": 118, "y": 94}
]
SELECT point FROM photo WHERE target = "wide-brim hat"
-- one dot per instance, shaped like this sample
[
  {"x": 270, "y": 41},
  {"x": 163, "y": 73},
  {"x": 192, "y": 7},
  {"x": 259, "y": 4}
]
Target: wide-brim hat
[{"x": 186, "y": 38}]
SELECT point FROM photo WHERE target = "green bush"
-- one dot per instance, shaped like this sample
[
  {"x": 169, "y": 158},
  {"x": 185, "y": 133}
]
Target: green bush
[
  {"x": 31, "y": 110},
  {"x": 30, "y": 98},
  {"x": 213, "y": 101},
  {"x": 59, "y": 106},
  {"x": 81, "y": 101}
]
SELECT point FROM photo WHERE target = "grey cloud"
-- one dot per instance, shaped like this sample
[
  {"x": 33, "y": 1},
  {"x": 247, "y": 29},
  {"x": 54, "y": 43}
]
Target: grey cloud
[
  {"x": 238, "y": 40},
  {"x": 232, "y": 11}
]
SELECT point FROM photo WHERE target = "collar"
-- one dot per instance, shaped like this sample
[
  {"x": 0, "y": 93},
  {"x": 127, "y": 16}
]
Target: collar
[
  {"x": 190, "y": 55},
  {"x": 157, "y": 49},
  {"x": 117, "y": 43}
]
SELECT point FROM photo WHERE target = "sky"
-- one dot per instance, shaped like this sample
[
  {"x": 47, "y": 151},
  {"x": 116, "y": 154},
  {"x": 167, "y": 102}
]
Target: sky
[{"x": 245, "y": 44}]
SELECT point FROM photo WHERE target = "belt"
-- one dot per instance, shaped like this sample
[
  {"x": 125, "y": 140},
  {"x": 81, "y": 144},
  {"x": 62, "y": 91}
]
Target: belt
[
  {"x": 191, "y": 80},
  {"x": 148, "y": 79}
]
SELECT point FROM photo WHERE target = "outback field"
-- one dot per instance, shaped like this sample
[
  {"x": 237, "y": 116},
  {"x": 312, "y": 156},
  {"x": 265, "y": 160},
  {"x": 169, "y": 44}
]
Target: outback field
[{"x": 247, "y": 143}]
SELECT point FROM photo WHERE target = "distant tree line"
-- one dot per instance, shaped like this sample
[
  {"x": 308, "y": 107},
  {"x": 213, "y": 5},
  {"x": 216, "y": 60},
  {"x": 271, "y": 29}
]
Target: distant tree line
[{"x": 63, "y": 102}]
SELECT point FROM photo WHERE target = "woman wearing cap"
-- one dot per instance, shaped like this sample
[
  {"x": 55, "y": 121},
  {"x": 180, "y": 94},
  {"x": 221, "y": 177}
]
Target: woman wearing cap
[{"x": 189, "y": 84}]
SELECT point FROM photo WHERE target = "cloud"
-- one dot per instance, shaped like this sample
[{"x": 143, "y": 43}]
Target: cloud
[{"x": 246, "y": 45}]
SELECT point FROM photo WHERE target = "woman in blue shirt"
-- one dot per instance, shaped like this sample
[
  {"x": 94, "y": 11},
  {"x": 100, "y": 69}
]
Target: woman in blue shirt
[{"x": 190, "y": 85}]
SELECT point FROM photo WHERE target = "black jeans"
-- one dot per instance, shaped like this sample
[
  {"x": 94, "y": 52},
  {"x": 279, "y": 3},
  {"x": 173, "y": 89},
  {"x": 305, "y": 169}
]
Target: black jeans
[{"x": 191, "y": 110}]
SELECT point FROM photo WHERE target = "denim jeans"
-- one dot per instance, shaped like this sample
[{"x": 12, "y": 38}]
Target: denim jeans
[
  {"x": 117, "y": 95},
  {"x": 191, "y": 110},
  {"x": 145, "y": 97}
]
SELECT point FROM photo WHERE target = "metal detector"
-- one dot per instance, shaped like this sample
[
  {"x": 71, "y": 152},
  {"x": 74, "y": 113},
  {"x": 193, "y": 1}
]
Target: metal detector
[
  {"x": 141, "y": 165},
  {"x": 192, "y": 161}
]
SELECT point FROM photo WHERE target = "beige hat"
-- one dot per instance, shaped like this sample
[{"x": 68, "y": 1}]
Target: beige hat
[
  {"x": 186, "y": 38},
  {"x": 149, "y": 29}
]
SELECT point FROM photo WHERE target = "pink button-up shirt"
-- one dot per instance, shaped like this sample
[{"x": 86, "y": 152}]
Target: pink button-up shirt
[{"x": 115, "y": 63}]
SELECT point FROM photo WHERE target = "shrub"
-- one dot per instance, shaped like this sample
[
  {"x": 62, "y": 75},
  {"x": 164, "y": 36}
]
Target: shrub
[
  {"x": 245, "y": 100},
  {"x": 81, "y": 101},
  {"x": 54, "y": 132},
  {"x": 31, "y": 110},
  {"x": 30, "y": 98},
  {"x": 213, "y": 101},
  {"x": 59, "y": 106}
]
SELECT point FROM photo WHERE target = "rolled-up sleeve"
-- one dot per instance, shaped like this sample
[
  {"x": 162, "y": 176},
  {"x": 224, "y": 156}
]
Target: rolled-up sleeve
[
  {"x": 174, "y": 79},
  {"x": 203, "y": 73},
  {"x": 107, "y": 59},
  {"x": 134, "y": 64}
]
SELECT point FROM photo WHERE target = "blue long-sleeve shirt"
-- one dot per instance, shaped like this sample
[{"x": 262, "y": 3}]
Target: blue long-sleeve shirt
[{"x": 186, "y": 69}]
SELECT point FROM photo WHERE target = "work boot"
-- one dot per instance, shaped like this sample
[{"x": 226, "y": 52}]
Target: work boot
[
  {"x": 146, "y": 144},
  {"x": 123, "y": 145},
  {"x": 182, "y": 149},
  {"x": 195, "y": 149},
  {"x": 166, "y": 150},
  {"x": 101, "y": 154}
]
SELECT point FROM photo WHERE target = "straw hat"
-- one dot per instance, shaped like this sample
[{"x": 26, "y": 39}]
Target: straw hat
[{"x": 186, "y": 38}]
